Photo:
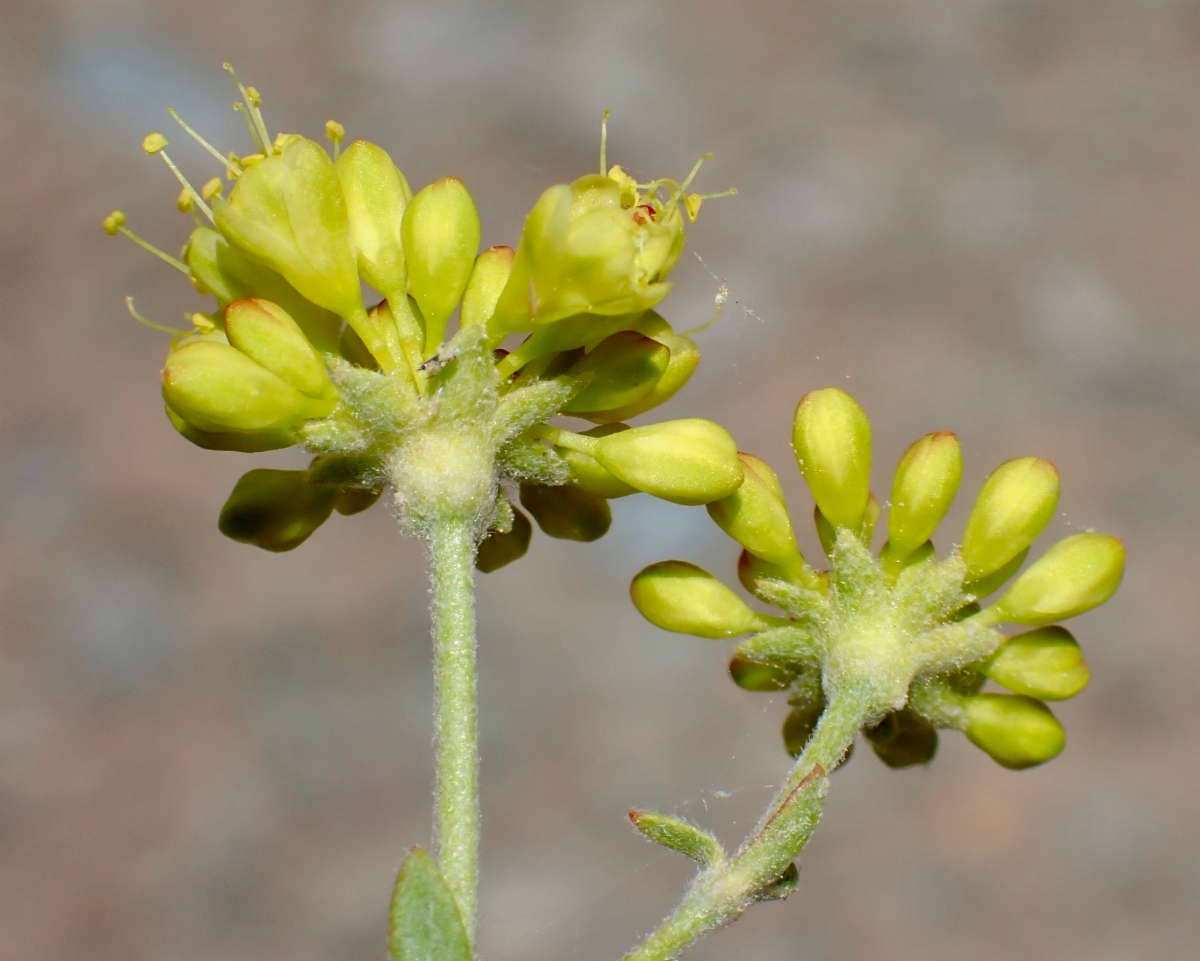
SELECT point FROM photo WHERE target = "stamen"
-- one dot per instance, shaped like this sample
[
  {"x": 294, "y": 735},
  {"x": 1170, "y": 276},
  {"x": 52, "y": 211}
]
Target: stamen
[
  {"x": 114, "y": 224},
  {"x": 196, "y": 198},
  {"x": 173, "y": 331},
  {"x": 212, "y": 189},
  {"x": 604, "y": 142},
  {"x": 695, "y": 170},
  {"x": 185, "y": 204},
  {"x": 253, "y": 101},
  {"x": 230, "y": 162},
  {"x": 241, "y": 108},
  {"x": 336, "y": 134}
]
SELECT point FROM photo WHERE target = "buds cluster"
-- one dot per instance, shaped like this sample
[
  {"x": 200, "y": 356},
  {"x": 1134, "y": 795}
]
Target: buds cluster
[
  {"x": 902, "y": 631},
  {"x": 292, "y": 354}
]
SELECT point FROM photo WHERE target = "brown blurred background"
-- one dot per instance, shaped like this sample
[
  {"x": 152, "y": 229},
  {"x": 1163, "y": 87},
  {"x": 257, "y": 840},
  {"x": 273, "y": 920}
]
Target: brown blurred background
[{"x": 977, "y": 215}]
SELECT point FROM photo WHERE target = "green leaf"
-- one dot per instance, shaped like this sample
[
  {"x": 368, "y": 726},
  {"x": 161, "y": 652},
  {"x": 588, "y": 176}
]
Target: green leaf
[
  {"x": 425, "y": 923},
  {"x": 679, "y": 835}
]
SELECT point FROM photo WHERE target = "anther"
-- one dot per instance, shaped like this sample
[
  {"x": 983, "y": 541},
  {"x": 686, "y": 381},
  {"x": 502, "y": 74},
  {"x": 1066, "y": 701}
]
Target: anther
[
  {"x": 153, "y": 143},
  {"x": 212, "y": 189},
  {"x": 184, "y": 203},
  {"x": 230, "y": 162},
  {"x": 336, "y": 134}
]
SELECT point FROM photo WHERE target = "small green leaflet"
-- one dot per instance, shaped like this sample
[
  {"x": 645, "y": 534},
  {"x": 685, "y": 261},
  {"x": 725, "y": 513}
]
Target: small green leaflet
[{"x": 425, "y": 923}]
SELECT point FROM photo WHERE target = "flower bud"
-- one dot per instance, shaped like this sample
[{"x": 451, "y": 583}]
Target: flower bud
[
  {"x": 586, "y": 472},
  {"x": 832, "y": 440},
  {"x": 799, "y": 726},
  {"x": 827, "y": 533},
  {"x": 498, "y": 549},
  {"x": 349, "y": 501},
  {"x": 681, "y": 597},
  {"x": 488, "y": 277},
  {"x": 1014, "y": 505},
  {"x": 275, "y": 509},
  {"x": 287, "y": 212},
  {"x": 1045, "y": 663},
  {"x": 923, "y": 488},
  {"x": 216, "y": 387},
  {"x": 619, "y": 371},
  {"x": 685, "y": 356},
  {"x": 1017, "y": 731},
  {"x": 690, "y": 461},
  {"x": 441, "y": 238},
  {"x": 376, "y": 194},
  {"x": 567, "y": 512},
  {"x": 1078, "y": 573},
  {"x": 756, "y": 516},
  {"x": 990, "y": 583},
  {"x": 220, "y": 270},
  {"x": 246, "y": 442},
  {"x": 583, "y": 251},
  {"x": 902, "y": 739},
  {"x": 752, "y": 569},
  {"x": 752, "y": 676},
  {"x": 268, "y": 336}
]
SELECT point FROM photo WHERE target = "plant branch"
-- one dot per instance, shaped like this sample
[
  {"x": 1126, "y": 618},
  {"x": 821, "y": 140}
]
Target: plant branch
[{"x": 720, "y": 894}]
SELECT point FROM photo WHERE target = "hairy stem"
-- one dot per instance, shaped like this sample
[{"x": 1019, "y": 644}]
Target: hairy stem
[
  {"x": 720, "y": 894},
  {"x": 452, "y": 553}
]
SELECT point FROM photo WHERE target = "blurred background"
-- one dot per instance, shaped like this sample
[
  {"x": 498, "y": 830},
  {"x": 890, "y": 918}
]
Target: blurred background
[{"x": 976, "y": 215}]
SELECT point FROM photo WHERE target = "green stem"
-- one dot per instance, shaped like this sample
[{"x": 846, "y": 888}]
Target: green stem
[
  {"x": 720, "y": 894},
  {"x": 452, "y": 553}
]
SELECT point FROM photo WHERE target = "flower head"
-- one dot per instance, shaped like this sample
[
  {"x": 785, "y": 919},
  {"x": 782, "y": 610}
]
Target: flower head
[{"x": 902, "y": 631}]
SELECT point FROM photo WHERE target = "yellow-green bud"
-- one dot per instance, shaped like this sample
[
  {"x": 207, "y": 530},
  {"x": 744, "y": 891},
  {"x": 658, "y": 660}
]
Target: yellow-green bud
[
  {"x": 690, "y": 461},
  {"x": 1045, "y": 663},
  {"x": 488, "y": 277},
  {"x": 349, "y": 501},
  {"x": 799, "y": 725},
  {"x": 832, "y": 440},
  {"x": 498, "y": 549},
  {"x": 685, "y": 356},
  {"x": 275, "y": 509},
  {"x": 220, "y": 270},
  {"x": 1017, "y": 731},
  {"x": 681, "y": 597},
  {"x": 441, "y": 238},
  {"x": 1014, "y": 505},
  {"x": 622, "y": 369},
  {"x": 1078, "y": 573},
  {"x": 246, "y": 442},
  {"x": 990, "y": 583},
  {"x": 266, "y": 334},
  {"x": 584, "y": 252},
  {"x": 923, "y": 488},
  {"x": 376, "y": 194},
  {"x": 752, "y": 676},
  {"x": 586, "y": 472},
  {"x": 216, "y": 387},
  {"x": 902, "y": 739},
  {"x": 751, "y": 570},
  {"x": 287, "y": 212},
  {"x": 827, "y": 533},
  {"x": 567, "y": 512},
  {"x": 756, "y": 516}
]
